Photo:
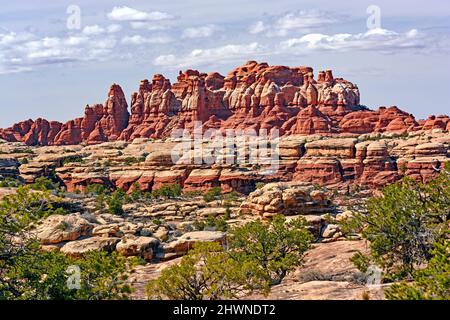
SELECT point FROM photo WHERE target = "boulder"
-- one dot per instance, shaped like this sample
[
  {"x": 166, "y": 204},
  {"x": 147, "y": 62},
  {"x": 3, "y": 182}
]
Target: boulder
[
  {"x": 79, "y": 247},
  {"x": 183, "y": 244},
  {"x": 59, "y": 228},
  {"x": 287, "y": 199},
  {"x": 137, "y": 246}
]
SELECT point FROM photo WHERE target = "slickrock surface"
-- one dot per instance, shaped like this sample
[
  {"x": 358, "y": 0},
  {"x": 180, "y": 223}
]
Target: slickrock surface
[
  {"x": 253, "y": 96},
  {"x": 327, "y": 274},
  {"x": 373, "y": 160}
]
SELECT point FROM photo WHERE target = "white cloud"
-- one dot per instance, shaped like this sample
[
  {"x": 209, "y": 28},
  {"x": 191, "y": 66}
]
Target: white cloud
[
  {"x": 231, "y": 52},
  {"x": 93, "y": 30},
  {"x": 257, "y": 27},
  {"x": 113, "y": 28},
  {"x": 300, "y": 21},
  {"x": 374, "y": 39},
  {"x": 303, "y": 19},
  {"x": 77, "y": 40},
  {"x": 140, "y": 40},
  {"x": 11, "y": 38},
  {"x": 125, "y": 13},
  {"x": 165, "y": 60},
  {"x": 200, "y": 32},
  {"x": 150, "y": 26},
  {"x": 21, "y": 52}
]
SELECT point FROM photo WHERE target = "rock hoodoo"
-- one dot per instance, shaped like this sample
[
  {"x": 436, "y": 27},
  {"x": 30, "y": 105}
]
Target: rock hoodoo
[{"x": 253, "y": 96}]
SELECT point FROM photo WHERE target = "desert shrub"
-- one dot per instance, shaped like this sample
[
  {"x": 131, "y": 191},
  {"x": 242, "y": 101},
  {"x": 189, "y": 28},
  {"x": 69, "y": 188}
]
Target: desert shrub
[
  {"x": 216, "y": 223},
  {"x": 43, "y": 184},
  {"x": 9, "y": 182},
  {"x": 192, "y": 194},
  {"x": 24, "y": 150},
  {"x": 206, "y": 273},
  {"x": 260, "y": 255},
  {"x": 276, "y": 248},
  {"x": 115, "y": 203},
  {"x": 27, "y": 206},
  {"x": 96, "y": 189},
  {"x": 227, "y": 201},
  {"x": 199, "y": 225},
  {"x": 130, "y": 160},
  {"x": 136, "y": 193},
  {"x": 212, "y": 194},
  {"x": 403, "y": 225},
  {"x": 259, "y": 185},
  {"x": 26, "y": 272},
  {"x": 430, "y": 283},
  {"x": 228, "y": 212},
  {"x": 73, "y": 159},
  {"x": 168, "y": 191},
  {"x": 313, "y": 275}
]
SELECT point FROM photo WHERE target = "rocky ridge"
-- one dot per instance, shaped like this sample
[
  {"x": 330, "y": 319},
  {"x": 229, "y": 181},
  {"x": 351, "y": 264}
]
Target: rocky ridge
[
  {"x": 372, "y": 160},
  {"x": 253, "y": 96}
]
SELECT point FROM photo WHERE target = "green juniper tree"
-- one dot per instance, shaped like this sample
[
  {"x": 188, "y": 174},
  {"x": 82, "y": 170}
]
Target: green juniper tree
[
  {"x": 430, "y": 283},
  {"x": 403, "y": 225},
  {"x": 277, "y": 247},
  {"x": 27, "y": 272},
  {"x": 206, "y": 273}
]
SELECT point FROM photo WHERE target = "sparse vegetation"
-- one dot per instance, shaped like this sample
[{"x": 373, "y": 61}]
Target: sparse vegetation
[
  {"x": 404, "y": 227},
  {"x": 206, "y": 273},
  {"x": 212, "y": 194},
  {"x": 9, "y": 182},
  {"x": 130, "y": 160},
  {"x": 27, "y": 206},
  {"x": 115, "y": 203},
  {"x": 277, "y": 248},
  {"x": 168, "y": 191},
  {"x": 211, "y": 223},
  {"x": 26, "y": 272},
  {"x": 73, "y": 159},
  {"x": 259, "y": 185},
  {"x": 44, "y": 184},
  {"x": 22, "y": 150},
  {"x": 96, "y": 189},
  {"x": 430, "y": 283},
  {"x": 260, "y": 256}
]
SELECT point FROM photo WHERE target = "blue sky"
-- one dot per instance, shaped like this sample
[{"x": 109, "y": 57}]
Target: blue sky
[{"x": 50, "y": 70}]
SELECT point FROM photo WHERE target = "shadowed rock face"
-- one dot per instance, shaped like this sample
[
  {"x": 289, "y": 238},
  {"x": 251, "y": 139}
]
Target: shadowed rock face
[{"x": 253, "y": 96}]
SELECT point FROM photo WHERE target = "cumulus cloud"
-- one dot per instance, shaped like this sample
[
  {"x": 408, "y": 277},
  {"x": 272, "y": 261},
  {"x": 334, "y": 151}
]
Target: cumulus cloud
[
  {"x": 93, "y": 30},
  {"x": 150, "y": 26},
  {"x": 200, "y": 32},
  {"x": 374, "y": 39},
  {"x": 140, "y": 40},
  {"x": 300, "y": 21},
  {"x": 23, "y": 51},
  {"x": 125, "y": 13},
  {"x": 11, "y": 38},
  {"x": 227, "y": 53},
  {"x": 257, "y": 27},
  {"x": 113, "y": 28}
]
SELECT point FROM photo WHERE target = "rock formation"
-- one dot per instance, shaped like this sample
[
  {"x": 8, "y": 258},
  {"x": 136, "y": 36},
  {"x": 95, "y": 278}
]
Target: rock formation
[
  {"x": 254, "y": 96},
  {"x": 286, "y": 199}
]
